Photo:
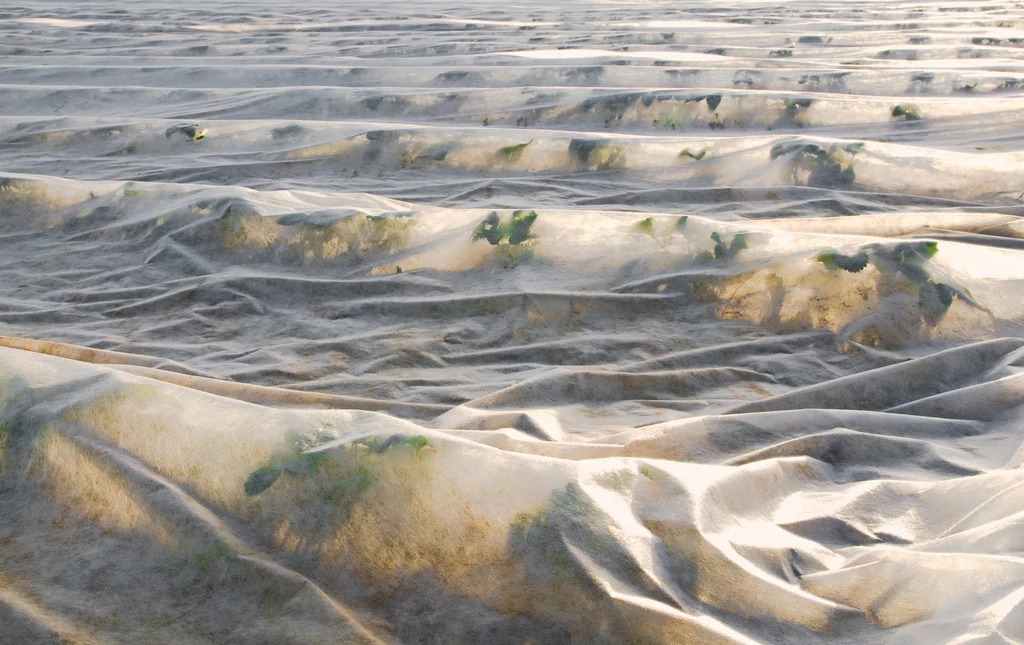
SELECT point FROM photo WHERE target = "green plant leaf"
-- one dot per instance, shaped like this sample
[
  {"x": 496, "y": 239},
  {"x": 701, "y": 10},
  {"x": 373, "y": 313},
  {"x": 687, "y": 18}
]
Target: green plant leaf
[
  {"x": 346, "y": 491},
  {"x": 514, "y": 152},
  {"x": 908, "y": 112},
  {"x": 519, "y": 230},
  {"x": 910, "y": 253},
  {"x": 646, "y": 226},
  {"x": 792, "y": 105},
  {"x": 379, "y": 445},
  {"x": 437, "y": 152},
  {"x": 191, "y": 132},
  {"x": 261, "y": 479},
  {"x": 315, "y": 461},
  {"x": 490, "y": 229},
  {"x": 852, "y": 263},
  {"x": 696, "y": 156},
  {"x": 739, "y": 243},
  {"x": 798, "y": 149},
  {"x": 934, "y": 299},
  {"x": 907, "y": 258},
  {"x": 650, "y": 473},
  {"x": 581, "y": 149},
  {"x": 417, "y": 442},
  {"x": 723, "y": 252}
]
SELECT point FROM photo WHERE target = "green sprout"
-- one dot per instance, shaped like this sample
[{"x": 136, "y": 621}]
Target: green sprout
[
  {"x": 596, "y": 154},
  {"x": 934, "y": 300},
  {"x": 131, "y": 191},
  {"x": 315, "y": 461},
  {"x": 670, "y": 122},
  {"x": 340, "y": 476},
  {"x": 417, "y": 443},
  {"x": 521, "y": 223},
  {"x": 383, "y": 233},
  {"x": 355, "y": 235},
  {"x": 908, "y": 112},
  {"x": 852, "y": 263},
  {"x": 513, "y": 237},
  {"x": 907, "y": 259},
  {"x": 379, "y": 445},
  {"x": 696, "y": 156},
  {"x": 347, "y": 490},
  {"x": 261, "y": 479},
  {"x": 650, "y": 473},
  {"x": 795, "y": 107},
  {"x": 191, "y": 132},
  {"x": 647, "y": 227},
  {"x": 490, "y": 229},
  {"x": 723, "y": 252},
  {"x": 416, "y": 154},
  {"x": 825, "y": 167},
  {"x": 513, "y": 153}
]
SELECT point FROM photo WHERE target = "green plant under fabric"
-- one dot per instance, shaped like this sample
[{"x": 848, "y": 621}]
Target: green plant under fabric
[
  {"x": 513, "y": 153},
  {"x": 909, "y": 260},
  {"x": 825, "y": 168},
  {"x": 648, "y": 227},
  {"x": 513, "y": 237}
]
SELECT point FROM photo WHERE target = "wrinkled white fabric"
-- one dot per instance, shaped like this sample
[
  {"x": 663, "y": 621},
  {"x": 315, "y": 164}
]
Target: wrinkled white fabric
[{"x": 470, "y": 323}]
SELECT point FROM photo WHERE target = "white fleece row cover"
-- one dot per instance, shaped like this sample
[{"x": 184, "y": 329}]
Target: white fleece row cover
[{"x": 511, "y": 323}]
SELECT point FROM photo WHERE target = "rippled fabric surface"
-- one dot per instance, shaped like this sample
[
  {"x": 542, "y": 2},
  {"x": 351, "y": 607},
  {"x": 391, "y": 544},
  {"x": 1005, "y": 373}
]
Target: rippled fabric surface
[{"x": 537, "y": 323}]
